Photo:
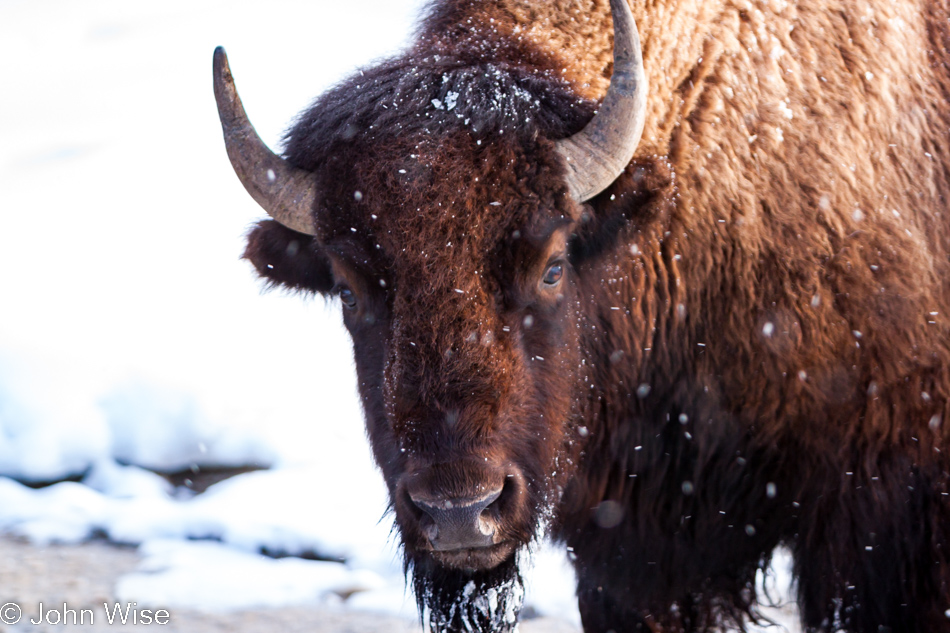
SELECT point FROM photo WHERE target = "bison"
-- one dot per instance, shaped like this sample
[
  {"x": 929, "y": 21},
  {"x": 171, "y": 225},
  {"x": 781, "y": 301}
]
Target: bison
[{"x": 674, "y": 299}]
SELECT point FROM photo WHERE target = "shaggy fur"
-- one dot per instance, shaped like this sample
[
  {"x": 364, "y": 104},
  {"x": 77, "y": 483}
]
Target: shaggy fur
[{"x": 749, "y": 346}]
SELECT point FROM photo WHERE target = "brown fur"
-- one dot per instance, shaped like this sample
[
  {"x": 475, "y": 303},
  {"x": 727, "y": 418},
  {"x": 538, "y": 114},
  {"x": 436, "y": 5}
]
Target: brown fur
[{"x": 750, "y": 344}]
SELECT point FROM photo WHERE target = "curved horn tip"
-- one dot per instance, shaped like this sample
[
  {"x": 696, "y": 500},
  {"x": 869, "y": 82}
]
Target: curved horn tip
[
  {"x": 222, "y": 71},
  {"x": 220, "y": 61},
  {"x": 285, "y": 192},
  {"x": 598, "y": 154}
]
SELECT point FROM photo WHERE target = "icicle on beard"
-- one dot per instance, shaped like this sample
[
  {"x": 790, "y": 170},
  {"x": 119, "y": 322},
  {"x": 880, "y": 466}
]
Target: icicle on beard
[{"x": 455, "y": 601}]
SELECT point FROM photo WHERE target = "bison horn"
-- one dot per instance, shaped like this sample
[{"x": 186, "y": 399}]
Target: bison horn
[
  {"x": 286, "y": 192},
  {"x": 596, "y": 155}
]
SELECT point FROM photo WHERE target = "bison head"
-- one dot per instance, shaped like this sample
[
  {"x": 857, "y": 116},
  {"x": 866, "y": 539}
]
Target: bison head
[{"x": 431, "y": 195}]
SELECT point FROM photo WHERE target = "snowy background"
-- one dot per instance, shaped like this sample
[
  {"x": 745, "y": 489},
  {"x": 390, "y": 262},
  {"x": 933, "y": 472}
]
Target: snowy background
[{"x": 131, "y": 335}]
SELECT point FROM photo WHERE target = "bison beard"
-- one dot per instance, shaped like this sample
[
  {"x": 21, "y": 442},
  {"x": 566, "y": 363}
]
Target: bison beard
[{"x": 475, "y": 602}]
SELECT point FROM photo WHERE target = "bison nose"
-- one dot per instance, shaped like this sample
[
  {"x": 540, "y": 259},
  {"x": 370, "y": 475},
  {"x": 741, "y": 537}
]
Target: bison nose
[{"x": 453, "y": 524}]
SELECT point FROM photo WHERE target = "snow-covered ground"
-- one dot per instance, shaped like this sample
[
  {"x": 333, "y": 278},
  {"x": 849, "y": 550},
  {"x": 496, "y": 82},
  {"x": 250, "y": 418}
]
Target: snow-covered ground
[{"x": 131, "y": 332}]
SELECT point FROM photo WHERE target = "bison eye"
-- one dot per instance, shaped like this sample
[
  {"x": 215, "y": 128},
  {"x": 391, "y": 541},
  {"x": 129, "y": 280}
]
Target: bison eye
[
  {"x": 348, "y": 298},
  {"x": 552, "y": 276}
]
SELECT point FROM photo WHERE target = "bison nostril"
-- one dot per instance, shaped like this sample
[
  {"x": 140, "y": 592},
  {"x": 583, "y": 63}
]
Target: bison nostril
[
  {"x": 430, "y": 530},
  {"x": 485, "y": 525},
  {"x": 412, "y": 506}
]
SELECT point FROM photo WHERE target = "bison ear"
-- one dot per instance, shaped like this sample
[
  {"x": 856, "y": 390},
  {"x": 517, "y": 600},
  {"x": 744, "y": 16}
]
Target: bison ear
[
  {"x": 638, "y": 196},
  {"x": 287, "y": 258}
]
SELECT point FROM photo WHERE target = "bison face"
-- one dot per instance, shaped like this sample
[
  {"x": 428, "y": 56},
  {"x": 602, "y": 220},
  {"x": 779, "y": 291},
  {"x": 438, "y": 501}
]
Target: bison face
[
  {"x": 466, "y": 374},
  {"x": 460, "y": 296},
  {"x": 463, "y": 313}
]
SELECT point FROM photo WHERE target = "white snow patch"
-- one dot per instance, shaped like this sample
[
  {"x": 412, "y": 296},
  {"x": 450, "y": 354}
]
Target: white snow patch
[
  {"x": 168, "y": 430},
  {"x": 49, "y": 426},
  {"x": 213, "y": 577},
  {"x": 451, "y": 98}
]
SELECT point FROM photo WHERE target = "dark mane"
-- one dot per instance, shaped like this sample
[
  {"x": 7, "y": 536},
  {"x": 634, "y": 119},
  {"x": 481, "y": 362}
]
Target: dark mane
[{"x": 435, "y": 95}]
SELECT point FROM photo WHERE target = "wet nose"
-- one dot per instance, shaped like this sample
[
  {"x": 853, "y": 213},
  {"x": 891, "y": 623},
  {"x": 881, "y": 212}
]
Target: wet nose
[{"x": 453, "y": 524}]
